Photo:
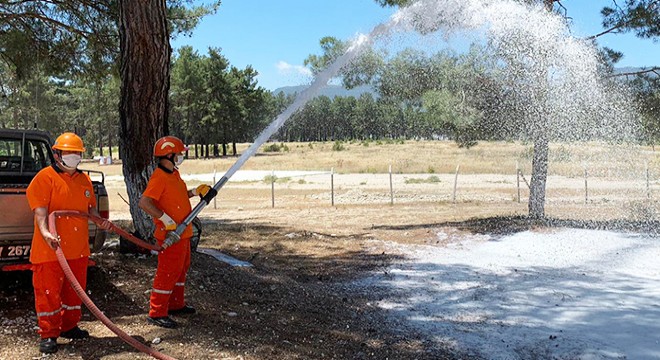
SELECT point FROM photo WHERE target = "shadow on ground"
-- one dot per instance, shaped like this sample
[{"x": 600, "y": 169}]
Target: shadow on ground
[
  {"x": 504, "y": 225},
  {"x": 298, "y": 301}
]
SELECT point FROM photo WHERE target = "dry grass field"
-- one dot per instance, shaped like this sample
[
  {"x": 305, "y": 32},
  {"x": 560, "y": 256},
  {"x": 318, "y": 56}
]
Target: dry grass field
[
  {"x": 433, "y": 157},
  {"x": 621, "y": 182}
]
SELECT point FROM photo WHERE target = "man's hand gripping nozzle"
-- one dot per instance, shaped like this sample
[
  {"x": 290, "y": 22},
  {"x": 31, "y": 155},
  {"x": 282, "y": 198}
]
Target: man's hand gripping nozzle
[{"x": 173, "y": 237}]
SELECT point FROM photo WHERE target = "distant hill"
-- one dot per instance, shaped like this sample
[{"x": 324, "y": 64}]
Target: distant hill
[{"x": 330, "y": 91}]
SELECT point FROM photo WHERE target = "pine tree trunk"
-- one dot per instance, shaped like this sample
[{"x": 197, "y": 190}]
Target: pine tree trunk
[
  {"x": 98, "y": 116},
  {"x": 100, "y": 139},
  {"x": 536, "y": 205},
  {"x": 145, "y": 64},
  {"x": 110, "y": 140}
]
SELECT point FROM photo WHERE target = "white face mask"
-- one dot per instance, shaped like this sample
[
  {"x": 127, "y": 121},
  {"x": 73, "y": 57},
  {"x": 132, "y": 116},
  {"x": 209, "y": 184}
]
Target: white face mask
[
  {"x": 71, "y": 161},
  {"x": 179, "y": 160}
]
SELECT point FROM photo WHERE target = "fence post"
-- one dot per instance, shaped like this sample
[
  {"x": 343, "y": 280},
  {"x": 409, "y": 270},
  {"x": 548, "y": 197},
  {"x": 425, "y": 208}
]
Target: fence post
[
  {"x": 391, "y": 187},
  {"x": 215, "y": 205},
  {"x": 455, "y": 183},
  {"x": 332, "y": 186},
  {"x": 648, "y": 182},
  {"x": 518, "y": 179},
  {"x": 586, "y": 188},
  {"x": 272, "y": 188}
]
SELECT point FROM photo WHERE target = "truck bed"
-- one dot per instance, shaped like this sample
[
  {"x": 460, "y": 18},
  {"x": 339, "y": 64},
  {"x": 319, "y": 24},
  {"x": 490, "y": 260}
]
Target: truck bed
[{"x": 16, "y": 223}]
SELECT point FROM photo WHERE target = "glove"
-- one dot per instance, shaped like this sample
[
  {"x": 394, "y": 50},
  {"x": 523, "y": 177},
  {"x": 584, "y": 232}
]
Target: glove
[
  {"x": 170, "y": 225},
  {"x": 202, "y": 190}
]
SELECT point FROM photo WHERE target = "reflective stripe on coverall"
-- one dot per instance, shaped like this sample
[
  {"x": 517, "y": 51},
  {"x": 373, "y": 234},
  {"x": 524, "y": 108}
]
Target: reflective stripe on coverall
[
  {"x": 170, "y": 279},
  {"x": 57, "y": 304}
]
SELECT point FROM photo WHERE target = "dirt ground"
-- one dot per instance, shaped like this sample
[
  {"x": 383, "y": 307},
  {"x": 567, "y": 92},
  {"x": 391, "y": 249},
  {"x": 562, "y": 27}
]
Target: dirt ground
[{"x": 297, "y": 301}]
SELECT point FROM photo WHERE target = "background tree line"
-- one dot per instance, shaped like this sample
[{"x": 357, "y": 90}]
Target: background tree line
[{"x": 215, "y": 105}]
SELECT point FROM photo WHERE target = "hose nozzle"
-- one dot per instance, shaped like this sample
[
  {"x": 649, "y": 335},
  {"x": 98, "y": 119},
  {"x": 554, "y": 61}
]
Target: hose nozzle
[{"x": 173, "y": 237}]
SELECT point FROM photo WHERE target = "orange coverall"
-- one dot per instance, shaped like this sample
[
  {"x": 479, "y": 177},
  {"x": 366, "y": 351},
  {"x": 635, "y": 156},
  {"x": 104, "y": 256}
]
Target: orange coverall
[
  {"x": 57, "y": 305},
  {"x": 170, "y": 194}
]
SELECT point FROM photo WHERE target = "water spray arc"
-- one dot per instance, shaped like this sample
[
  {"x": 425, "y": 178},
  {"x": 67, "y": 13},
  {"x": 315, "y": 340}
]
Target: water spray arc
[
  {"x": 356, "y": 48},
  {"x": 552, "y": 79}
]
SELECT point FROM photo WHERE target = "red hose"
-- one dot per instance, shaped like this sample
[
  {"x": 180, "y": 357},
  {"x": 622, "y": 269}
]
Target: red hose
[
  {"x": 114, "y": 228},
  {"x": 81, "y": 293}
]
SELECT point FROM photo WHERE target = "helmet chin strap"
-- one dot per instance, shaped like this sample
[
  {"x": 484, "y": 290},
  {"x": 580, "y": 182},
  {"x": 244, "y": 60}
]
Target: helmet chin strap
[{"x": 170, "y": 158}]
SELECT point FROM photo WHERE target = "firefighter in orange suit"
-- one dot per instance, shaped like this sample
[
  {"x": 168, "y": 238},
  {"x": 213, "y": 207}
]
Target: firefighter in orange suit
[
  {"x": 60, "y": 187},
  {"x": 166, "y": 199}
]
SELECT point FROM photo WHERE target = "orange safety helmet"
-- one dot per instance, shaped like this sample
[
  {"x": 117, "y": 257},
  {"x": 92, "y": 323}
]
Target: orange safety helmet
[
  {"x": 69, "y": 142},
  {"x": 168, "y": 145}
]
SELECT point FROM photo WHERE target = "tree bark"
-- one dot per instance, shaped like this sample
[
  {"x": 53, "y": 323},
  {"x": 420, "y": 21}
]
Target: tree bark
[
  {"x": 145, "y": 65},
  {"x": 537, "y": 185},
  {"x": 536, "y": 205},
  {"x": 97, "y": 87},
  {"x": 100, "y": 138},
  {"x": 110, "y": 139}
]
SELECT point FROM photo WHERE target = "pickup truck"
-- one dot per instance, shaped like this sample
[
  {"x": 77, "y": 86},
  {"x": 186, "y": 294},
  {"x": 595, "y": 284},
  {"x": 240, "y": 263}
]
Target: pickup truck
[{"x": 22, "y": 154}]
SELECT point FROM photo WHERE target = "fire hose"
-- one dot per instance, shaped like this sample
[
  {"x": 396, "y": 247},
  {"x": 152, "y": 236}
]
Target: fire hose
[{"x": 81, "y": 292}]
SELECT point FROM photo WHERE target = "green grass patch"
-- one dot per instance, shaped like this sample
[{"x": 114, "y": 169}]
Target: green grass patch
[
  {"x": 273, "y": 178},
  {"x": 429, "y": 180}
]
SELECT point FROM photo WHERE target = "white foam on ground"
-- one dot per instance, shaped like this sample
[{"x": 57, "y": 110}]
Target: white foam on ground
[
  {"x": 224, "y": 257},
  {"x": 565, "y": 294}
]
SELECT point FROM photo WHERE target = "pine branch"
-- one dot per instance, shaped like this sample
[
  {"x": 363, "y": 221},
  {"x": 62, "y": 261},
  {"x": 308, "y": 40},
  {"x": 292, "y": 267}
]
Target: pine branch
[{"x": 655, "y": 70}]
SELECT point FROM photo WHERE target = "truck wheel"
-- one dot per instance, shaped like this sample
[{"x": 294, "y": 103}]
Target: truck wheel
[
  {"x": 99, "y": 240},
  {"x": 197, "y": 234}
]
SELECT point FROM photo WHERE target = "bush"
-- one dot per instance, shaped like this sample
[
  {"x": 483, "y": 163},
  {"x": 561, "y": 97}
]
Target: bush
[
  {"x": 274, "y": 147},
  {"x": 274, "y": 179},
  {"x": 270, "y": 179},
  {"x": 429, "y": 180},
  {"x": 338, "y": 146}
]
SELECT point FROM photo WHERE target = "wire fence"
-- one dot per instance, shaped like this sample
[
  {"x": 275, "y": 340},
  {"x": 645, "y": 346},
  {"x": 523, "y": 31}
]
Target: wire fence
[{"x": 320, "y": 188}]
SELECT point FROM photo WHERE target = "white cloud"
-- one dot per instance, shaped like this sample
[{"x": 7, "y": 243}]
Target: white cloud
[{"x": 285, "y": 68}]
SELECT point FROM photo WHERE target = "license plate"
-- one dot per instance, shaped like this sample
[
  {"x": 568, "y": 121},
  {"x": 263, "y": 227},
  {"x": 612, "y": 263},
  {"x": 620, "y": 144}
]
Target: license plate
[{"x": 14, "y": 252}]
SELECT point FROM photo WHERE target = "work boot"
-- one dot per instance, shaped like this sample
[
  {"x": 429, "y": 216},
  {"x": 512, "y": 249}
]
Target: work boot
[
  {"x": 48, "y": 345},
  {"x": 163, "y": 321},
  {"x": 185, "y": 310},
  {"x": 75, "y": 333}
]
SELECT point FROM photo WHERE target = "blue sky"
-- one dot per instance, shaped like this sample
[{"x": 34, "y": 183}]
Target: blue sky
[{"x": 275, "y": 36}]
